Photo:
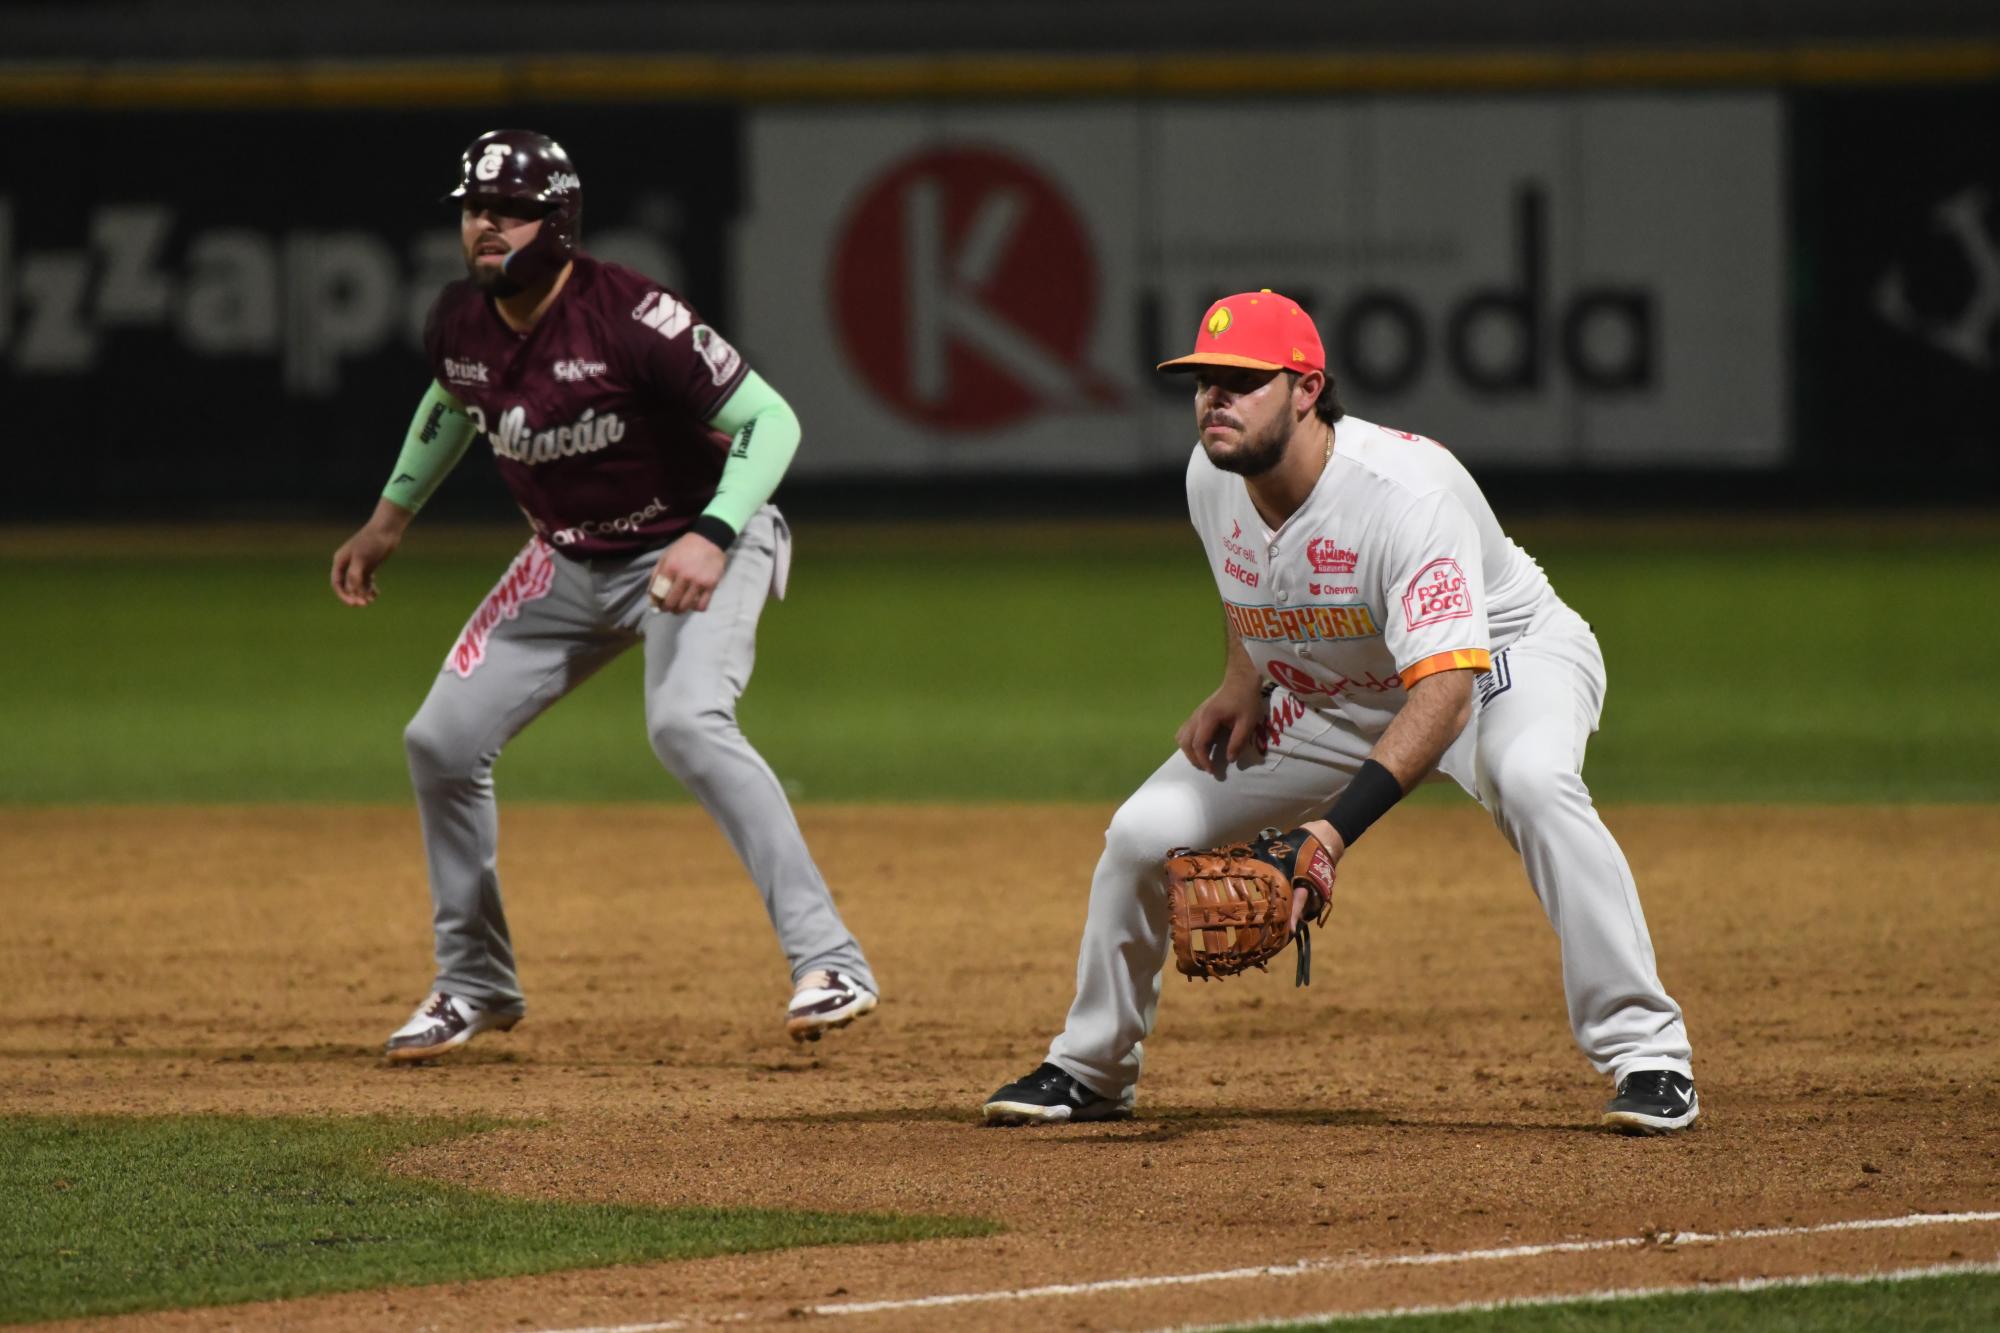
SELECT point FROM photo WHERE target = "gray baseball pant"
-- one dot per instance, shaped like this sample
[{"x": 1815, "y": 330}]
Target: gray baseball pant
[{"x": 548, "y": 626}]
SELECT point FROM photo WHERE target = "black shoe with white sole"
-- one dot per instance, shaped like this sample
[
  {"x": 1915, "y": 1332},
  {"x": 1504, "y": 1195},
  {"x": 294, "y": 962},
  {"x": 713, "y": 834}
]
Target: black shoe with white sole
[
  {"x": 1050, "y": 1096},
  {"x": 1653, "y": 1101}
]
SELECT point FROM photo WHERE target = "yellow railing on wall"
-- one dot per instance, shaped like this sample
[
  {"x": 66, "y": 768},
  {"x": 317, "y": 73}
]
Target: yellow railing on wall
[{"x": 764, "y": 79}]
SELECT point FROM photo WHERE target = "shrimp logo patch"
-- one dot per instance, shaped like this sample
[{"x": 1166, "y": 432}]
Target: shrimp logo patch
[
  {"x": 1219, "y": 322},
  {"x": 1328, "y": 556},
  {"x": 1438, "y": 593},
  {"x": 530, "y": 577}
]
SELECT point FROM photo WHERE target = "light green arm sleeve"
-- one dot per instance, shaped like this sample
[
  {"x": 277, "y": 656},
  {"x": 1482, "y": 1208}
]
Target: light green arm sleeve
[
  {"x": 439, "y": 434},
  {"x": 766, "y": 434}
]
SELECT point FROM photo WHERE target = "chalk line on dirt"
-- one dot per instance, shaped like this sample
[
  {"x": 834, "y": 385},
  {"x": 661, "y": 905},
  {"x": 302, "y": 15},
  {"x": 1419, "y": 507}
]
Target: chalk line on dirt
[{"x": 1301, "y": 1267}]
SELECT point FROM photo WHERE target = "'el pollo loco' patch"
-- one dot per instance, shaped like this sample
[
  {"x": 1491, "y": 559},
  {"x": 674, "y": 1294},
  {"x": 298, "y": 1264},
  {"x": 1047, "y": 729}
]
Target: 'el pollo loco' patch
[{"x": 1437, "y": 593}]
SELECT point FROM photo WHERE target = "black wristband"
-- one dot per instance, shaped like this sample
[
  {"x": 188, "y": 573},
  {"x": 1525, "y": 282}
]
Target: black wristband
[
  {"x": 1367, "y": 798},
  {"x": 713, "y": 528}
]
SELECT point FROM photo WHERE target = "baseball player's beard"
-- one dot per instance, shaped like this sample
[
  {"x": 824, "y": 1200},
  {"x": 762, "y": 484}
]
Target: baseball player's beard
[
  {"x": 486, "y": 277},
  {"x": 1257, "y": 455}
]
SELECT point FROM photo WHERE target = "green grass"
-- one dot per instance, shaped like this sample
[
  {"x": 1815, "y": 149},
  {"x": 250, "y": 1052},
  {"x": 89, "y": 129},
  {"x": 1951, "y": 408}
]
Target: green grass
[
  {"x": 110, "y": 1215},
  {"x": 1953, "y": 1303},
  {"x": 928, "y": 665}
]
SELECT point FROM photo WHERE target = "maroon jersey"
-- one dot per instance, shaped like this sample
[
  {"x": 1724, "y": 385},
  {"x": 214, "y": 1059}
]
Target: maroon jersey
[{"x": 598, "y": 415}]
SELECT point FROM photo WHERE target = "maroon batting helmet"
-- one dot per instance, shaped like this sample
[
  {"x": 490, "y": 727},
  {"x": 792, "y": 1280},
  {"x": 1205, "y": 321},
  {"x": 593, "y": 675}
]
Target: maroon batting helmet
[{"x": 524, "y": 165}]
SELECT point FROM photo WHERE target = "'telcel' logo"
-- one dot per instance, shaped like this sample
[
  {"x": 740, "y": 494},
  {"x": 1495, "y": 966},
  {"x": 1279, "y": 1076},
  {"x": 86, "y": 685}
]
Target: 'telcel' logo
[{"x": 965, "y": 292}]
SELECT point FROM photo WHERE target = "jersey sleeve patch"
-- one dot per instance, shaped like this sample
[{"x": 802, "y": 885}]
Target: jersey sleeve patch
[
  {"x": 664, "y": 315},
  {"x": 1437, "y": 593},
  {"x": 722, "y": 359},
  {"x": 1457, "y": 659}
]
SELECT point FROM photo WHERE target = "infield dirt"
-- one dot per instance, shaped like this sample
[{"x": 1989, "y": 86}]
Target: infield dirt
[{"x": 1423, "y": 1095}]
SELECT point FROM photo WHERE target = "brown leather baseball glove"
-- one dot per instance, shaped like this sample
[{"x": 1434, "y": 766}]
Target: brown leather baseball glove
[{"x": 1231, "y": 906}]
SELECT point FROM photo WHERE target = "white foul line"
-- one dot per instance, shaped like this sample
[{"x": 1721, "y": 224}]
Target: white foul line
[
  {"x": 1607, "y": 1294},
  {"x": 1303, "y": 1266},
  {"x": 1364, "y": 1263}
]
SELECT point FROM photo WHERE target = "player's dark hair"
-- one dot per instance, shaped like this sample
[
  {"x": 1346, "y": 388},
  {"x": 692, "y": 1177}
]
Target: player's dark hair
[{"x": 1327, "y": 406}]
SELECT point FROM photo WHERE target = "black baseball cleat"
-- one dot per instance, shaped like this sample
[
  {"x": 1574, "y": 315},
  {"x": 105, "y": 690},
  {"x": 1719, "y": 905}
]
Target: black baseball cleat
[
  {"x": 1050, "y": 1096},
  {"x": 1653, "y": 1101}
]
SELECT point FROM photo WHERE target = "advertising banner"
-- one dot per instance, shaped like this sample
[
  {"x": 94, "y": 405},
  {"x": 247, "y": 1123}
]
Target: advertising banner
[
  {"x": 1559, "y": 282},
  {"x": 1898, "y": 230},
  {"x": 196, "y": 306}
]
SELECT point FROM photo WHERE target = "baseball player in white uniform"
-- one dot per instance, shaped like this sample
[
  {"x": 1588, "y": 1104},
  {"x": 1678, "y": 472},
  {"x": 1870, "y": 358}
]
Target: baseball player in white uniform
[{"x": 1381, "y": 629}]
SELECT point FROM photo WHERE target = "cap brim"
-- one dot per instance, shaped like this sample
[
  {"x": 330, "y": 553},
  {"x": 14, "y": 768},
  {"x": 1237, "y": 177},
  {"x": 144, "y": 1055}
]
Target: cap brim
[{"x": 1216, "y": 359}]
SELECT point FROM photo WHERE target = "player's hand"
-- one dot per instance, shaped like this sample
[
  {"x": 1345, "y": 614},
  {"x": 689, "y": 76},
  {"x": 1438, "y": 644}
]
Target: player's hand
[
  {"x": 355, "y": 563},
  {"x": 686, "y": 573},
  {"x": 1215, "y": 733}
]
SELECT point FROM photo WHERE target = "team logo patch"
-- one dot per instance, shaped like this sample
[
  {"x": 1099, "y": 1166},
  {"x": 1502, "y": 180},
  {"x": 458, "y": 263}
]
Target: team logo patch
[
  {"x": 715, "y": 349},
  {"x": 1219, "y": 322},
  {"x": 1328, "y": 556},
  {"x": 1438, "y": 593},
  {"x": 530, "y": 577}
]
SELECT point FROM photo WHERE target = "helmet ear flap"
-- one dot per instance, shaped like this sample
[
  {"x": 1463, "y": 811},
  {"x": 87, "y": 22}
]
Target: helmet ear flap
[
  {"x": 542, "y": 258},
  {"x": 562, "y": 227}
]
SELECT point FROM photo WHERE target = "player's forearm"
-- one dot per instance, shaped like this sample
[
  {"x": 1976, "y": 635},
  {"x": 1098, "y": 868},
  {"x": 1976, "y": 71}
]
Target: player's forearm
[
  {"x": 765, "y": 436},
  {"x": 1237, "y": 668},
  {"x": 1436, "y": 712},
  {"x": 437, "y": 439},
  {"x": 390, "y": 518}
]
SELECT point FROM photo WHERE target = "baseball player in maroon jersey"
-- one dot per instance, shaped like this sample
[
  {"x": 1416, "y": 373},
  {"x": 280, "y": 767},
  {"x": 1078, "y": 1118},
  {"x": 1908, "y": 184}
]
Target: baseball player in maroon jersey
[{"x": 643, "y": 452}]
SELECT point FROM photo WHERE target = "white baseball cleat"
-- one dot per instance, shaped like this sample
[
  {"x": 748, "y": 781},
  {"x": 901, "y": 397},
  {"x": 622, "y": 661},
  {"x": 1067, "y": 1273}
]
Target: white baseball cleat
[
  {"x": 825, "y": 1000},
  {"x": 443, "y": 1023}
]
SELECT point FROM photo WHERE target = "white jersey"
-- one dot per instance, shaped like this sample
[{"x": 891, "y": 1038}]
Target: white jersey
[{"x": 1393, "y": 569}]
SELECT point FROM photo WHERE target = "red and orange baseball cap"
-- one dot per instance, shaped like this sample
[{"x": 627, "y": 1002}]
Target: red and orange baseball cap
[{"x": 1260, "y": 330}]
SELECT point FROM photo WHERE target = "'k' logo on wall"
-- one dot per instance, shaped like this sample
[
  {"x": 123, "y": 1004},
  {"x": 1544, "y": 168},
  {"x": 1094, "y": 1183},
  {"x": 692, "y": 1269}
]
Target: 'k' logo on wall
[{"x": 965, "y": 292}]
